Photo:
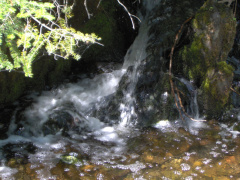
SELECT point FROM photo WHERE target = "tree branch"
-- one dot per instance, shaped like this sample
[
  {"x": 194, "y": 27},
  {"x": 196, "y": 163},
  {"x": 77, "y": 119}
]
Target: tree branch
[
  {"x": 85, "y": 4},
  {"x": 173, "y": 88},
  {"x": 129, "y": 14}
]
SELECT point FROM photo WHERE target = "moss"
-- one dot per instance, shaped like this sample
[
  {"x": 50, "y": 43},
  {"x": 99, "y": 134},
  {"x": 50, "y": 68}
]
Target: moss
[
  {"x": 12, "y": 86},
  {"x": 210, "y": 83},
  {"x": 103, "y": 23},
  {"x": 47, "y": 72},
  {"x": 193, "y": 59},
  {"x": 40, "y": 71},
  {"x": 204, "y": 59},
  {"x": 62, "y": 68},
  {"x": 216, "y": 87},
  {"x": 202, "y": 17},
  {"x": 225, "y": 68},
  {"x": 103, "y": 26}
]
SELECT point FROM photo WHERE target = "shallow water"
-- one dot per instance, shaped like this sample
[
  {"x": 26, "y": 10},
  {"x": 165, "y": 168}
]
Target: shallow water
[{"x": 166, "y": 151}]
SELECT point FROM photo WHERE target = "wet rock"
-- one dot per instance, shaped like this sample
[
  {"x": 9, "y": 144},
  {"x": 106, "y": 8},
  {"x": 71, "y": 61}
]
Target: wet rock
[
  {"x": 72, "y": 158},
  {"x": 18, "y": 153},
  {"x": 236, "y": 64},
  {"x": 5, "y": 116},
  {"x": 230, "y": 116},
  {"x": 205, "y": 58},
  {"x": 212, "y": 122},
  {"x": 110, "y": 22},
  {"x": 236, "y": 126},
  {"x": 88, "y": 168},
  {"x": 112, "y": 173},
  {"x": 58, "y": 170},
  {"x": 204, "y": 142},
  {"x": 197, "y": 164},
  {"x": 60, "y": 121},
  {"x": 150, "y": 158},
  {"x": 230, "y": 160},
  {"x": 181, "y": 130}
]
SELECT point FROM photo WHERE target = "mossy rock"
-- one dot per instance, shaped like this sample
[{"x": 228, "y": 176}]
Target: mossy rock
[
  {"x": 12, "y": 86},
  {"x": 70, "y": 159},
  {"x": 102, "y": 21},
  {"x": 204, "y": 59},
  {"x": 214, "y": 28},
  {"x": 47, "y": 72},
  {"x": 216, "y": 88}
]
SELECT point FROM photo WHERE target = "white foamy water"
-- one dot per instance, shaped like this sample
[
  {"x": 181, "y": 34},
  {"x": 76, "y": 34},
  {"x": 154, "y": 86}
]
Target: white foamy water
[
  {"x": 6, "y": 173},
  {"x": 77, "y": 99}
]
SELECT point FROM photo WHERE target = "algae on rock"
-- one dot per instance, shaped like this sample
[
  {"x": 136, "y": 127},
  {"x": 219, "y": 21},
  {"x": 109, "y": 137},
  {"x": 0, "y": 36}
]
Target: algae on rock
[{"x": 204, "y": 60}]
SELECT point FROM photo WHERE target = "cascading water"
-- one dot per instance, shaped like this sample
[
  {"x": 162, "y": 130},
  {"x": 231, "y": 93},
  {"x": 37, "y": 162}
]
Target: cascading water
[
  {"x": 58, "y": 136},
  {"x": 67, "y": 110},
  {"x": 135, "y": 55},
  {"x": 193, "y": 98}
]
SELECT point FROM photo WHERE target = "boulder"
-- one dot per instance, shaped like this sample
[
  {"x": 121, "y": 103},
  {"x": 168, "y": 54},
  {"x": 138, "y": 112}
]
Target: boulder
[{"x": 204, "y": 59}]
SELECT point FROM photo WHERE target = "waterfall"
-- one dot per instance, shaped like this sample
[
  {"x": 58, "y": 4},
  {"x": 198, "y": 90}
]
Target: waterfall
[
  {"x": 70, "y": 106},
  {"x": 135, "y": 54},
  {"x": 193, "y": 98}
]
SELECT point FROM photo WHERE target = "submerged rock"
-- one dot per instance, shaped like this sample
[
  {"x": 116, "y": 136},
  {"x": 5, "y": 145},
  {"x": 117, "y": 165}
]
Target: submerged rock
[
  {"x": 18, "y": 153},
  {"x": 71, "y": 159},
  {"x": 60, "y": 121}
]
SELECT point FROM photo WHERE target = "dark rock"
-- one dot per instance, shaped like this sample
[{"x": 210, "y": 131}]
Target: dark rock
[{"x": 19, "y": 151}]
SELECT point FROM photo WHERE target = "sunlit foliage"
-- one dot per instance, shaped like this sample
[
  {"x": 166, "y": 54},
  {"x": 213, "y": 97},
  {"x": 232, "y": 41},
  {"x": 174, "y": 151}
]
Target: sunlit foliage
[{"x": 29, "y": 27}]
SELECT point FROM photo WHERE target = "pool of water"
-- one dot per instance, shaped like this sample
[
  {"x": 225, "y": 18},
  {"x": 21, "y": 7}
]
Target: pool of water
[{"x": 168, "y": 150}]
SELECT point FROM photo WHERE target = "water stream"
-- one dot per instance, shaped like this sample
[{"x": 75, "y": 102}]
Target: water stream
[{"x": 57, "y": 137}]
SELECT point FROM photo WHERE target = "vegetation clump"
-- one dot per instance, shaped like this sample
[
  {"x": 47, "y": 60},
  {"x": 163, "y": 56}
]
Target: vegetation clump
[{"x": 26, "y": 27}]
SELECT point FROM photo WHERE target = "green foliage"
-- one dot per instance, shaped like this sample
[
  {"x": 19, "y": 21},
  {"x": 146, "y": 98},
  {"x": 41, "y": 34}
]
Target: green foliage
[{"x": 26, "y": 27}]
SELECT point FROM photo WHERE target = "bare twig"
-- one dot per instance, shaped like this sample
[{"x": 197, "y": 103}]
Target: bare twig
[
  {"x": 129, "y": 14},
  {"x": 234, "y": 91},
  {"x": 173, "y": 88},
  {"x": 175, "y": 99},
  {"x": 235, "y": 9},
  {"x": 99, "y": 3},
  {"x": 85, "y": 4},
  {"x": 183, "y": 109}
]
